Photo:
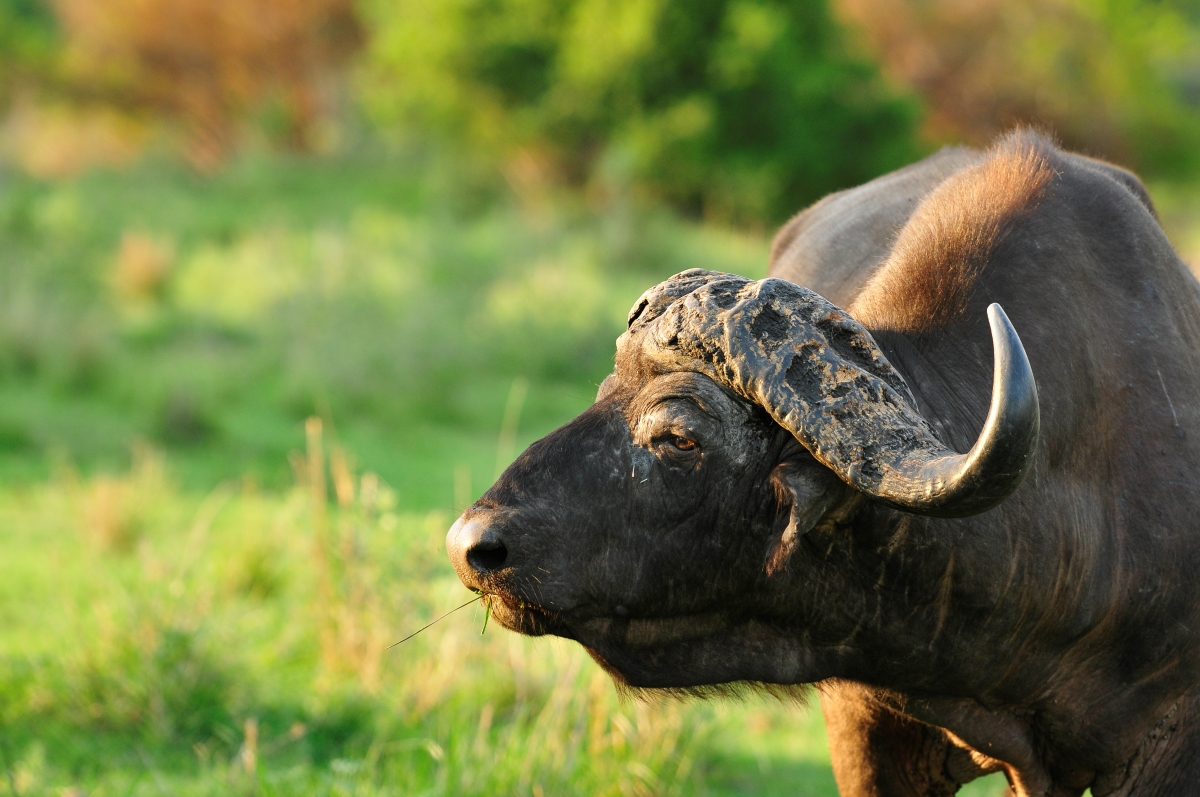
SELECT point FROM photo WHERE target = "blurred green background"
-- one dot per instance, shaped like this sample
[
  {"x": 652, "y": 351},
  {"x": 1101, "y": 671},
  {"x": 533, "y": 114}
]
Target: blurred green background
[{"x": 284, "y": 284}]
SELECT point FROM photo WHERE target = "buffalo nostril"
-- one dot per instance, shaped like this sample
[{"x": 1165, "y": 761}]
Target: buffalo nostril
[{"x": 487, "y": 555}]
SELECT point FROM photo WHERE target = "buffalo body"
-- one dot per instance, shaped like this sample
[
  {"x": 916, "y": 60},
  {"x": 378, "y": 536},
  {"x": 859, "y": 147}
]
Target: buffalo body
[{"x": 769, "y": 488}]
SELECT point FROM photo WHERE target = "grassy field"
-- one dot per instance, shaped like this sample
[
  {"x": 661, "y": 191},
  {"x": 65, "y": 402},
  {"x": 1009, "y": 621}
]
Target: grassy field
[{"x": 237, "y": 416}]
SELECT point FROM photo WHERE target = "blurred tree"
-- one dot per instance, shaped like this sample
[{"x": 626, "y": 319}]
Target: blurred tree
[
  {"x": 209, "y": 63},
  {"x": 1118, "y": 78},
  {"x": 28, "y": 45},
  {"x": 741, "y": 110}
]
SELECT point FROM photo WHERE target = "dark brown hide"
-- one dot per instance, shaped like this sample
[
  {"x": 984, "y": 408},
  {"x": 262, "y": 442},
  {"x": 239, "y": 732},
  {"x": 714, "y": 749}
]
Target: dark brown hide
[
  {"x": 1079, "y": 580},
  {"x": 1055, "y": 636}
]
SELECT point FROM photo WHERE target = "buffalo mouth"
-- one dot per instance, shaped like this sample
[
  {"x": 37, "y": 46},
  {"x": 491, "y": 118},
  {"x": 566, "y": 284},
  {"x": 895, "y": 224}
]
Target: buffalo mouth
[
  {"x": 526, "y": 618},
  {"x": 684, "y": 652}
]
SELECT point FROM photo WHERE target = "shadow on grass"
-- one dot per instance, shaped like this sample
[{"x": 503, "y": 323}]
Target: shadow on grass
[{"x": 728, "y": 775}]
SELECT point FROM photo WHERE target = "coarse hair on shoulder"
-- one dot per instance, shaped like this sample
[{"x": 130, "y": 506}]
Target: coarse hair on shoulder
[{"x": 926, "y": 280}]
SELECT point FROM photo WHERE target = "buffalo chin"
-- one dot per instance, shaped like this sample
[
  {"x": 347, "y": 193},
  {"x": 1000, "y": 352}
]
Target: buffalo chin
[
  {"x": 525, "y": 618},
  {"x": 791, "y": 693},
  {"x": 692, "y": 661}
]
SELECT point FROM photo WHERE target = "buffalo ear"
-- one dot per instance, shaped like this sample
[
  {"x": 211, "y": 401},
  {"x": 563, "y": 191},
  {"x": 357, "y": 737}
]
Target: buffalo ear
[{"x": 806, "y": 492}]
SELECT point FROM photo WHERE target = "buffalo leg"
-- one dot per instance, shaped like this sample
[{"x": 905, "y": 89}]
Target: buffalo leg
[{"x": 877, "y": 752}]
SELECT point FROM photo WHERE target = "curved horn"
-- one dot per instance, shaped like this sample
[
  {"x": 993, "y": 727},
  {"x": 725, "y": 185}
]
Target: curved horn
[
  {"x": 821, "y": 376},
  {"x": 964, "y": 484}
]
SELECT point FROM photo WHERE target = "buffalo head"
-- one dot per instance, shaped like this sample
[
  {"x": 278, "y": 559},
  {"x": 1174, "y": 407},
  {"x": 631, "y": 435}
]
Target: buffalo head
[{"x": 662, "y": 528}]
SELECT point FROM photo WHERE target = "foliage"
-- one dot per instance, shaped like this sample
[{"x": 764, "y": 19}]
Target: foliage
[
  {"x": 209, "y": 63},
  {"x": 739, "y": 109},
  {"x": 28, "y": 43},
  {"x": 211, "y": 66},
  {"x": 1117, "y": 78}
]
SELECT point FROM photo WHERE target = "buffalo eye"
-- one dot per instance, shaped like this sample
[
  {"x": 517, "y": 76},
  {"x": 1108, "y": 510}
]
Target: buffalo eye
[{"x": 678, "y": 445}]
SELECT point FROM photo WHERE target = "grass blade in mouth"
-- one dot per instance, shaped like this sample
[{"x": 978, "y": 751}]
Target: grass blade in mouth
[{"x": 438, "y": 620}]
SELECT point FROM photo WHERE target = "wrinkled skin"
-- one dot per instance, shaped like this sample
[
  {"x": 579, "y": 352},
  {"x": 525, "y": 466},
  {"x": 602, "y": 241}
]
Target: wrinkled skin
[{"x": 1054, "y": 637}]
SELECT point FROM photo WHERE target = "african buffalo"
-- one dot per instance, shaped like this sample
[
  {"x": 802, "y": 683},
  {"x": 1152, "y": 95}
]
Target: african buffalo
[{"x": 768, "y": 490}]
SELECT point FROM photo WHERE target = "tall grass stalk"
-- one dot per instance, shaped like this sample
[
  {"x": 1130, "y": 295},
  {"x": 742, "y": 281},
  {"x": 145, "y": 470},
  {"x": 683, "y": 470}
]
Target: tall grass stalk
[
  {"x": 462, "y": 487},
  {"x": 508, "y": 426}
]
